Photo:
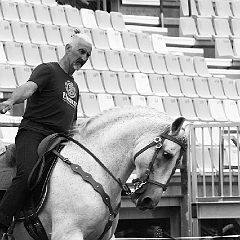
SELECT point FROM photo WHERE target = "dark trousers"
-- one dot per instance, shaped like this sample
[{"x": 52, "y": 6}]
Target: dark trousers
[{"x": 27, "y": 142}]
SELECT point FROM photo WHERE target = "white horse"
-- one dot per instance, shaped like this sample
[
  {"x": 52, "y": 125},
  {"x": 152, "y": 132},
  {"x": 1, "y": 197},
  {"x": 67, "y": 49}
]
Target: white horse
[{"x": 123, "y": 139}]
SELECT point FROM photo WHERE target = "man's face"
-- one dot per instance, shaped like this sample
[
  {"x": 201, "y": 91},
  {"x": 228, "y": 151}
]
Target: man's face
[{"x": 79, "y": 54}]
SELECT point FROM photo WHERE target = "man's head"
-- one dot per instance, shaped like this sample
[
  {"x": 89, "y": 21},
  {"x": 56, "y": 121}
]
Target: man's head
[{"x": 78, "y": 50}]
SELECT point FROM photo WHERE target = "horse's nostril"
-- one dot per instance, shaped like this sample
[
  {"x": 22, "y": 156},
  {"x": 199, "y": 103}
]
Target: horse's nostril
[{"x": 147, "y": 202}]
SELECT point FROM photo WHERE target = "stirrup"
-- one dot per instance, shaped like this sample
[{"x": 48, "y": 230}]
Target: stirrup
[{"x": 7, "y": 236}]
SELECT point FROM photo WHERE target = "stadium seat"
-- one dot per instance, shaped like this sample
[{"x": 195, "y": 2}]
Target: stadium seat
[
  {"x": 222, "y": 28},
  {"x": 129, "y": 61},
  {"x": 99, "y": 37},
  {"x": 229, "y": 88},
  {"x": 236, "y": 47},
  {"x": 90, "y": 104},
  {"x": 157, "y": 84},
  {"x": 205, "y": 8},
  {"x": 103, "y": 19},
  {"x": 234, "y": 24},
  {"x": 98, "y": 59},
  {"x": 80, "y": 113},
  {"x": 79, "y": 78},
  {"x": 5, "y": 31},
  {"x": 61, "y": 51},
  {"x": 138, "y": 100},
  {"x": 223, "y": 9},
  {"x": 144, "y": 42},
  {"x": 66, "y": 33},
  {"x": 34, "y": 1},
  {"x": 231, "y": 110},
  {"x": 26, "y": 12},
  {"x": 158, "y": 63},
  {"x": 204, "y": 162},
  {"x": 187, "y": 109},
  {"x": 94, "y": 81},
  {"x": 142, "y": 83},
  {"x": 58, "y": 16},
  {"x": 87, "y": 65},
  {"x": 22, "y": 73},
  {"x": 114, "y": 60},
  {"x": 187, "y": 87},
  {"x": 159, "y": 44},
  {"x": 49, "y": 2},
  {"x": 42, "y": 14},
  {"x": 127, "y": 83},
  {"x": 130, "y": 41},
  {"x": 20, "y": 32},
  {"x": 8, "y": 134},
  {"x": 110, "y": 82},
  {"x": 36, "y": 33},
  {"x": 202, "y": 88},
  {"x": 223, "y": 48},
  {"x": 3, "y": 58},
  {"x": 117, "y": 21},
  {"x": 105, "y": 101},
  {"x": 184, "y": 8},
  {"x": 217, "y": 110},
  {"x": 143, "y": 62},
  {"x": 7, "y": 78},
  {"x": 202, "y": 109},
  {"x": 73, "y": 16},
  {"x": 216, "y": 88},
  {"x": 14, "y": 53},
  {"x": 173, "y": 65},
  {"x": 31, "y": 54},
  {"x": 88, "y": 18},
  {"x": 115, "y": 40},
  {"x": 172, "y": 86},
  {"x": 187, "y": 67},
  {"x": 201, "y": 67},
  {"x": 121, "y": 100},
  {"x": 48, "y": 53},
  {"x": 53, "y": 35},
  {"x": 205, "y": 28},
  {"x": 187, "y": 27},
  {"x": 9, "y": 10},
  {"x": 171, "y": 106},
  {"x": 235, "y": 8},
  {"x": 86, "y": 31},
  {"x": 155, "y": 102}
]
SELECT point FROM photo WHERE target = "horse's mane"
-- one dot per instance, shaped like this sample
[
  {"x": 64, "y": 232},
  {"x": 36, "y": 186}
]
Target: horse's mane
[{"x": 111, "y": 116}]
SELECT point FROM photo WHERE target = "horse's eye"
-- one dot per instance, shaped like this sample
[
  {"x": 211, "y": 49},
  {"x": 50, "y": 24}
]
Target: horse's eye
[{"x": 167, "y": 155}]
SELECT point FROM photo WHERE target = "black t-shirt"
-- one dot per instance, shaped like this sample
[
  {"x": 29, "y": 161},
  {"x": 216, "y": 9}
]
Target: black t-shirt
[{"x": 55, "y": 102}]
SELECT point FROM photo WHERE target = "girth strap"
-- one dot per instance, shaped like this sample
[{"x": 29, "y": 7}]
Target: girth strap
[{"x": 97, "y": 187}]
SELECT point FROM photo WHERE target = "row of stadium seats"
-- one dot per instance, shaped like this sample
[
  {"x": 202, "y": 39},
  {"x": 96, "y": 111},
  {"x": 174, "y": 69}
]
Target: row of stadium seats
[
  {"x": 211, "y": 9},
  {"x": 134, "y": 83},
  {"x": 32, "y": 55},
  {"x": 207, "y": 28},
  {"x": 60, "y": 15}
]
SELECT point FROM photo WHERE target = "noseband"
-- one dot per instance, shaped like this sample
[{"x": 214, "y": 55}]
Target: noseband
[{"x": 140, "y": 185}]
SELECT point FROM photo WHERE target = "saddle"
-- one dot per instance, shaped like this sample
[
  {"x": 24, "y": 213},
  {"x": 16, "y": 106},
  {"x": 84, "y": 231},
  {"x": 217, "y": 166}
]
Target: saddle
[{"x": 37, "y": 183}]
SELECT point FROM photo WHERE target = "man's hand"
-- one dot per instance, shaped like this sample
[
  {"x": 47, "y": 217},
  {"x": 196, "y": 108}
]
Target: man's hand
[{"x": 5, "y": 106}]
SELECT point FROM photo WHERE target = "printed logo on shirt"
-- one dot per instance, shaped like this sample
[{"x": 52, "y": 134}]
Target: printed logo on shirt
[
  {"x": 70, "y": 89},
  {"x": 71, "y": 93}
]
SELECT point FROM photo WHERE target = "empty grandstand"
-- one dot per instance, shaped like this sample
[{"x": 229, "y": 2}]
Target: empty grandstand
[{"x": 181, "y": 57}]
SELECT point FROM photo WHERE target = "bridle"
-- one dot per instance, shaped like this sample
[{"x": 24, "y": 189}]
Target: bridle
[{"x": 140, "y": 185}]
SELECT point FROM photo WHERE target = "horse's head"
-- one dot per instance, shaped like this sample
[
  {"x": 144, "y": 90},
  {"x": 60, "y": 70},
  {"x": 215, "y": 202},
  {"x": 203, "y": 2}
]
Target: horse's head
[{"x": 156, "y": 162}]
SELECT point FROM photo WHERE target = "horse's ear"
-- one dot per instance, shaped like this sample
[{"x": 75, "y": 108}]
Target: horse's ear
[
  {"x": 176, "y": 126},
  {"x": 187, "y": 126}
]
